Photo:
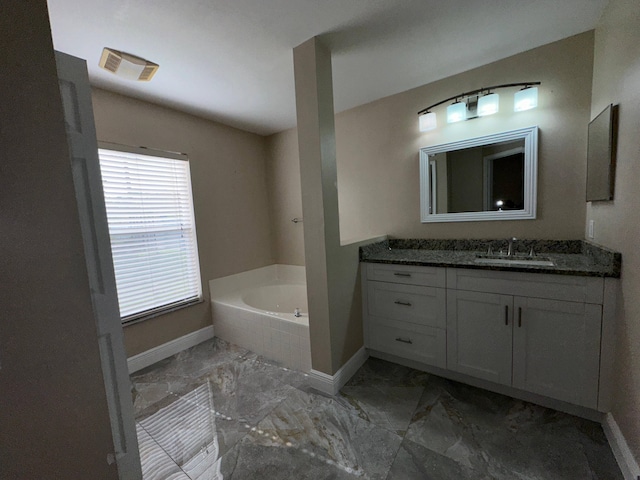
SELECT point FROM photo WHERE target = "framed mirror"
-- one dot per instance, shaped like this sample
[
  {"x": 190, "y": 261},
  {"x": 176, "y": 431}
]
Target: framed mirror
[
  {"x": 485, "y": 178},
  {"x": 601, "y": 155}
]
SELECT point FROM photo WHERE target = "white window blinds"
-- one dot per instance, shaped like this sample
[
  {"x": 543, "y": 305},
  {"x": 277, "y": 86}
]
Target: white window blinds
[{"x": 152, "y": 230}]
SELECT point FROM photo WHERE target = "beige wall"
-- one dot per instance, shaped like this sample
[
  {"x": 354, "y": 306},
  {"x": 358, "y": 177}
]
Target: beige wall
[
  {"x": 617, "y": 224},
  {"x": 54, "y": 421},
  {"x": 378, "y": 143},
  {"x": 228, "y": 176},
  {"x": 285, "y": 199},
  {"x": 378, "y": 147}
]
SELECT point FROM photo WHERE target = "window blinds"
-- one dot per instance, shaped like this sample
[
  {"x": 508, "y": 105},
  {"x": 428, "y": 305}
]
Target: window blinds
[{"x": 152, "y": 230}]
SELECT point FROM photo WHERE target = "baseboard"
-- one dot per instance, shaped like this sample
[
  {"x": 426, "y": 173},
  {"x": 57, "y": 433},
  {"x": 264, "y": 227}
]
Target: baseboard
[
  {"x": 331, "y": 384},
  {"x": 155, "y": 354},
  {"x": 620, "y": 448}
]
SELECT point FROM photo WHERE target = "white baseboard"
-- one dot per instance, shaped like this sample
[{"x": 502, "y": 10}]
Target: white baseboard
[
  {"x": 331, "y": 384},
  {"x": 155, "y": 354},
  {"x": 620, "y": 448}
]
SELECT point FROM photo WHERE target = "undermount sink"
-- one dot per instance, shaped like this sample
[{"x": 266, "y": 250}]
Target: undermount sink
[{"x": 514, "y": 260}]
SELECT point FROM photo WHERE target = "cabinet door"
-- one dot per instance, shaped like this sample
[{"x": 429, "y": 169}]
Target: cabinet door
[
  {"x": 479, "y": 335},
  {"x": 556, "y": 350}
]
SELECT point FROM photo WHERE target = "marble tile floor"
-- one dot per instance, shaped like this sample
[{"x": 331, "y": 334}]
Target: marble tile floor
[{"x": 217, "y": 411}]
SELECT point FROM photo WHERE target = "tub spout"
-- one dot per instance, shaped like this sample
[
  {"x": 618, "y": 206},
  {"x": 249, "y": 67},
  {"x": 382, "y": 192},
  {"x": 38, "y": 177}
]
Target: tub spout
[{"x": 296, "y": 313}]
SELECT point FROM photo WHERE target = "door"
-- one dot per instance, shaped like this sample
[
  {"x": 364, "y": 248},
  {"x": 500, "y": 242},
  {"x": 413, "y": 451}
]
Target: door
[
  {"x": 76, "y": 99},
  {"x": 479, "y": 337},
  {"x": 556, "y": 349}
]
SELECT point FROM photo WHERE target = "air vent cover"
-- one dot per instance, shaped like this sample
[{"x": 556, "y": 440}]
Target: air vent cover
[{"x": 127, "y": 66}]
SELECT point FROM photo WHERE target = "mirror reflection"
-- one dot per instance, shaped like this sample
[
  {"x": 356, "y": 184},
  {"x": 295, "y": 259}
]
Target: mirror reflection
[
  {"x": 601, "y": 155},
  {"x": 478, "y": 179}
]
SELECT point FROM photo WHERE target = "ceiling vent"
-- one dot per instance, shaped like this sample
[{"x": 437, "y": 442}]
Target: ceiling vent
[{"x": 127, "y": 66}]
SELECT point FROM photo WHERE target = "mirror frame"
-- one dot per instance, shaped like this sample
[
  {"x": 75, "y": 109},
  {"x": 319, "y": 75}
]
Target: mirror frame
[{"x": 530, "y": 136}]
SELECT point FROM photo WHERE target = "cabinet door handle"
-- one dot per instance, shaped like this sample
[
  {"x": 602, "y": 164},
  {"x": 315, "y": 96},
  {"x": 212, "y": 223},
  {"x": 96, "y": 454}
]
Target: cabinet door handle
[
  {"x": 506, "y": 314},
  {"x": 405, "y": 304},
  {"x": 519, "y": 316},
  {"x": 402, "y": 274},
  {"x": 403, "y": 340}
]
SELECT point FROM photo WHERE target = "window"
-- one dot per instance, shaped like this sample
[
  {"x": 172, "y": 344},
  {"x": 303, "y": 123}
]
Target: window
[{"x": 152, "y": 230}]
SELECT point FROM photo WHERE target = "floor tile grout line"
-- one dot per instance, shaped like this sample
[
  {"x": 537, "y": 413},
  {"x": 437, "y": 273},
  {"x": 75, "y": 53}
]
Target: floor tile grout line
[{"x": 404, "y": 435}]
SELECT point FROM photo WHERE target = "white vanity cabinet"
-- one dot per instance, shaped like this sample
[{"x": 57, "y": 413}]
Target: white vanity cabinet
[
  {"x": 529, "y": 332},
  {"x": 406, "y": 311},
  {"x": 536, "y": 332},
  {"x": 548, "y": 347}
]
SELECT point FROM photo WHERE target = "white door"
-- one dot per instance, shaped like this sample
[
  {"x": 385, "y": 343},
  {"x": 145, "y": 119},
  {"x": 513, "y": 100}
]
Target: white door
[
  {"x": 479, "y": 335},
  {"x": 76, "y": 99},
  {"x": 556, "y": 349}
]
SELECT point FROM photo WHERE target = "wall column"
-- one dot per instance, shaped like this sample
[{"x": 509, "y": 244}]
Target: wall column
[
  {"x": 318, "y": 179},
  {"x": 335, "y": 314}
]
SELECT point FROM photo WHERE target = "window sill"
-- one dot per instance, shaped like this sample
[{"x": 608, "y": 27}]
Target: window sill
[{"x": 159, "y": 313}]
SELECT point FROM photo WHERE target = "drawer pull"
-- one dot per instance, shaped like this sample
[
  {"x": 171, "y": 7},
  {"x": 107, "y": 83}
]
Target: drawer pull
[
  {"x": 402, "y": 274},
  {"x": 506, "y": 314},
  {"x": 404, "y": 304},
  {"x": 403, "y": 340}
]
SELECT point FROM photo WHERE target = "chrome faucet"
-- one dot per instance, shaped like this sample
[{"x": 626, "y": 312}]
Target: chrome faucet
[
  {"x": 297, "y": 312},
  {"x": 510, "y": 252}
]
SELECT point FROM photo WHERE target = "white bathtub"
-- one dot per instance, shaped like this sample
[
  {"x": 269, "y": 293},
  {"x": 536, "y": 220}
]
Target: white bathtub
[{"x": 255, "y": 310}]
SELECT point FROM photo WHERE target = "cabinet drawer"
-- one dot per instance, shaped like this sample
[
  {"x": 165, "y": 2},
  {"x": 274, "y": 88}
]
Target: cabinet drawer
[
  {"x": 406, "y": 340},
  {"x": 555, "y": 287},
  {"x": 408, "y": 303},
  {"x": 411, "y": 275}
]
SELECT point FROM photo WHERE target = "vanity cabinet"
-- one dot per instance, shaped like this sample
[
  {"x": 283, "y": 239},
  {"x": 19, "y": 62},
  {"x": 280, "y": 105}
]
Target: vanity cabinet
[
  {"x": 548, "y": 347},
  {"x": 407, "y": 312},
  {"x": 537, "y": 333}
]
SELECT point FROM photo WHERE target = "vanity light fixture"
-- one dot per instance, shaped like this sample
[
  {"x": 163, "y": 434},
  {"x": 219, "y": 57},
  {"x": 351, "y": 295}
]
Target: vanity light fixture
[{"x": 486, "y": 101}]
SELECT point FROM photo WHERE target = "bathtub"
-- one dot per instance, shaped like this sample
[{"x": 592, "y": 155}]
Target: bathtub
[{"x": 256, "y": 310}]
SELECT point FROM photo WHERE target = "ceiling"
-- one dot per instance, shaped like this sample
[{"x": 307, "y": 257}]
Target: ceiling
[{"x": 232, "y": 61}]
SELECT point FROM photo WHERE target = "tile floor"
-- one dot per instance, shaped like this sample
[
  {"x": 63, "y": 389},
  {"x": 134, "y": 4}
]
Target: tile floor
[{"x": 217, "y": 411}]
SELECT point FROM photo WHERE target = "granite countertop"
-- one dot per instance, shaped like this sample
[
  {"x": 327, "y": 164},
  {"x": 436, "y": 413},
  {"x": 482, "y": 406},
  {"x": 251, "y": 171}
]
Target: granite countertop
[{"x": 571, "y": 257}]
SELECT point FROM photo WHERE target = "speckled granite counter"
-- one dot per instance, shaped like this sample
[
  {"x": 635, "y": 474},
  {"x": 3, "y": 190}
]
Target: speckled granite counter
[{"x": 571, "y": 257}]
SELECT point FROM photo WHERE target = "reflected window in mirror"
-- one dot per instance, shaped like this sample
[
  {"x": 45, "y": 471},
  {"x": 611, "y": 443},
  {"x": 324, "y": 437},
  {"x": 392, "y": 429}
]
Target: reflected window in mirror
[{"x": 485, "y": 178}]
